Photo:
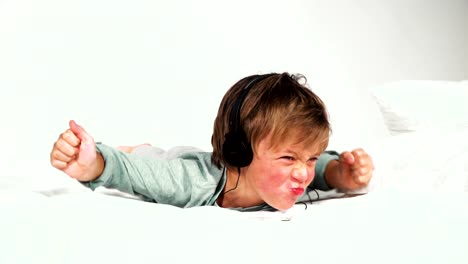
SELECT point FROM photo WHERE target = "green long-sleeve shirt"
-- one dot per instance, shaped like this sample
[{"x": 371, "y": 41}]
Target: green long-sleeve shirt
[{"x": 182, "y": 177}]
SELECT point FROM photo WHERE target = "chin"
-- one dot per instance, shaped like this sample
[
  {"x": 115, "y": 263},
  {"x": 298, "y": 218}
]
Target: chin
[{"x": 282, "y": 206}]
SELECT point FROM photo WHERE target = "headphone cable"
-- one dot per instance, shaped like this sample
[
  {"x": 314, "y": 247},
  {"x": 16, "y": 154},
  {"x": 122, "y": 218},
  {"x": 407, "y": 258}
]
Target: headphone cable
[
  {"x": 237, "y": 182},
  {"x": 310, "y": 198}
]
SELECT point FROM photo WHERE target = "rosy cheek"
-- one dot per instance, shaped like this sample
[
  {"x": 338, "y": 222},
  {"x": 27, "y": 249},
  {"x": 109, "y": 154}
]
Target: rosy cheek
[
  {"x": 278, "y": 178},
  {"x": 268, "y": 179}
]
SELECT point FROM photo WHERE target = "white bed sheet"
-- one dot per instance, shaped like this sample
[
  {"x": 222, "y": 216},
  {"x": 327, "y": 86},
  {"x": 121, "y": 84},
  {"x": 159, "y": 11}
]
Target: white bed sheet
[
  {"x": 379, "y": 227},
  {"x": 415, "y": 211}
]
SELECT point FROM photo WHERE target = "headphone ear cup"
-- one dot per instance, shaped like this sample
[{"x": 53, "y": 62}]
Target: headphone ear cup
[{"x": 236, "y": 151}]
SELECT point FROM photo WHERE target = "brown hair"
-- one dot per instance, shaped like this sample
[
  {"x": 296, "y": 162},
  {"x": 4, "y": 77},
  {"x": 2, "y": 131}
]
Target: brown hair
[{"x": 278, "y": 104}]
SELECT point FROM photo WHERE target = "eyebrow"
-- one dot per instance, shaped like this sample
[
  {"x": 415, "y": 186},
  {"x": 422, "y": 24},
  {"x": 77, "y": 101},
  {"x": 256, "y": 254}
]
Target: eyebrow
[{"x": 296, "y": 154}]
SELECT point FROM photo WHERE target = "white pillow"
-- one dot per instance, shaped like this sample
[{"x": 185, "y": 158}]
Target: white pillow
[{"x": 413, "y": 105}]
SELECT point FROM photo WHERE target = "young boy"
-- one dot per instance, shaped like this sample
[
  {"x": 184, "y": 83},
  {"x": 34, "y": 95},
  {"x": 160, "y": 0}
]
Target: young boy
[{"x": 269, "y": 142}]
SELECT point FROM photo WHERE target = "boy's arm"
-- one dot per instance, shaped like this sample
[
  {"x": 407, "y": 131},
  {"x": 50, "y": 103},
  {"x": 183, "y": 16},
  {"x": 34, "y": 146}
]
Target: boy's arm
[
  {"x": 184, "y": 181},
  {"x": 320, "y": 182},
  {"x": 346, "y": 171}
]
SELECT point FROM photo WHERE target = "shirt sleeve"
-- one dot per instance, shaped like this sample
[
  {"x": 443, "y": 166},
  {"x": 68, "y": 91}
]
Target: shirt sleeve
[
  {"x": 185, "y": 181},
  {"x": 319, "y": 181}
]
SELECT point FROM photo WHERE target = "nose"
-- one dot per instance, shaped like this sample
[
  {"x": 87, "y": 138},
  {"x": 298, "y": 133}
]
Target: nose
[{"x": 300, "y": 172}]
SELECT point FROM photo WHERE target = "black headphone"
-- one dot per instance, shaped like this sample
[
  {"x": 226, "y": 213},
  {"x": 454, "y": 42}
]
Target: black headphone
[{"x": 237, "y": 150}]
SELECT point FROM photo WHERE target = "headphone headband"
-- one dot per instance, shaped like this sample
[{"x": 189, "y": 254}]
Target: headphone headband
[
  {"x": 234, "y": 120},
  {"x": 237, "y": 150}
]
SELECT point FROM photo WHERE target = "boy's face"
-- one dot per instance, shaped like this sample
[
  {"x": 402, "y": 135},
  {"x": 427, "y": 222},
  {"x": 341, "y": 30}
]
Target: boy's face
[{"x": 280, "y": 176}]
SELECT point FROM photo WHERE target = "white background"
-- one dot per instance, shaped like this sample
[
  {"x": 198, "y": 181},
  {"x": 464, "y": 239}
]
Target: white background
[{"x": 155, "y": 71}]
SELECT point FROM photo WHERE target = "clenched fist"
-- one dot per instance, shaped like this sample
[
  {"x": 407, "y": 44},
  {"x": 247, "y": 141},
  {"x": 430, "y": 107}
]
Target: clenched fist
[
  {"x": 352, "y": 171},
  {"x": 75, "y": 154}
]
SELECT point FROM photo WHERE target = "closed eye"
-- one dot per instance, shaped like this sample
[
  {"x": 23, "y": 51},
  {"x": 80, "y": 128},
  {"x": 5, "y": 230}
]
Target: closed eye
[{"x": 287, "y": 158}]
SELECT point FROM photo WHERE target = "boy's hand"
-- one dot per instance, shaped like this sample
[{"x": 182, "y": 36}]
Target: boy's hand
[
  {"x": 353, "y": 170},
  {"x": 74, "y": 153}
]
